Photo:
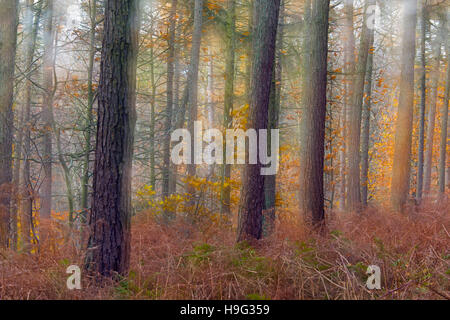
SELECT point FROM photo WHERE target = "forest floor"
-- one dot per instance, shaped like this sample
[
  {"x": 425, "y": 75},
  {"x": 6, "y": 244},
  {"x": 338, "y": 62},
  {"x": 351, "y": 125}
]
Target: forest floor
[{"x": 412, "y": 251}]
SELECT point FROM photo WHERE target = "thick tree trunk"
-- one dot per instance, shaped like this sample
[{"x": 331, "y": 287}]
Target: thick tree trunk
[
  {"x": 47, "y": 113},
  {"x": 8, "y": 40},
  {"x": 264, "y": 41},
  {"x": 403, "y": 136},
  {"x": 423, "y": 99},
  {"x": 354, "y": 132},
  {"x": 109, "y": 243},
  {"x": 312, "y": 147}
]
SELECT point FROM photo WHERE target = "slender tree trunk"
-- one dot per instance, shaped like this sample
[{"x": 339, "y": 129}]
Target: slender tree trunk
[
  {"x": 31, "y": 30},
  {"x": 444, "y": 118},
  {"x": 312, "y": 147},
  {"x": 47, "y": 112},
  {"x": 403, "y": 136},
  {"x": 365, "y": 137},
  {"x": 8, "y": 40},
  {"x": 354, "y": 133},
  {"x": 423, "y": 99},
  {"x": 169, "y": 109},
  {"x": 228, "y": 101},
  {"x": 264, "y": 42},
  {"x": 109, "y": 243},
  {"x": 349, "y": 71},
  {"x": 435, "y": 73},
  {"x": 193, "y": 88},
  {"x": 270, "y": 181},
  {"x": 90, "y": 106}
]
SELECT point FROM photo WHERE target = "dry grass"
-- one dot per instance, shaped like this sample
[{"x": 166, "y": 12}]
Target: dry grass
[{"x": 412, "y": 251}]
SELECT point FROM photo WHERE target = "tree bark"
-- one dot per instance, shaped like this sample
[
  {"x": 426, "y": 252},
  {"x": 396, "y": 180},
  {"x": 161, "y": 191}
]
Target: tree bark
[
  {"x": 228, "y": 101},
  {"x": 312, "y": 147},
  {"x": 264, "y": 41},
  {"x": 354, "y": 132},
  {"x": 423, "y": 97},
  {"x": 435, "y": 73},
  {"x": 444, "y": 118},
  {"x": 109, "y": 243},
  {"x": 403, "y": 136},
  {"x": 169, "y": 108},
  {"x": 47, "y": 113},
  {"x": 8, "y": 40},
  {"x": 365, "y": 137}
]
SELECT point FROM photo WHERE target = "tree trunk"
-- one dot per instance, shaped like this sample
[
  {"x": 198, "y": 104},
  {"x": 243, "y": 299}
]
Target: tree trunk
[
  {"x": 365, "y": 137},
  {"x": 435, "y": 73},
  {"x": 228, "y": 101},
  {"x": 192, "y": 85},
  {"x": 354, "y": 132},
  {"x": 8, "y": 40},
  {"x": 312, "y": 147},
  {"x": 423, "y": 98},
  {"x": 89, "y": 115},
  {"x": 31, "y": 30},
  {"x": 264, "y": 42},
  {"x": 47, "y": 112},
  {"x": 444, "y": 119},
  {"x": 270, "y": 181},
  {"x": 169, "y": 109},
  {"x": 109, "y": 243},
  {"x": 403, "y": 136}
]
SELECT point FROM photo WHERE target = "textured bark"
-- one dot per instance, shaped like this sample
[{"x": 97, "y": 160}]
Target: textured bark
[
  {"x": 228, "y": 100},
  {"x": 264, "y": 41},
  {"x": 8, "y": 40},
  {"x": 354, "y": 132},
  {"x": 365, "y": 136},
  {"x": 169, "y": 108},
  {"x": 109, "y": 243},
  {"x": 423, "y": 97},
  {"x": 403, "y": 136},
  {"x": 435, "y": 73},
  {"x": 47, "y": 112},
  {"x": 312, "y": 147}
]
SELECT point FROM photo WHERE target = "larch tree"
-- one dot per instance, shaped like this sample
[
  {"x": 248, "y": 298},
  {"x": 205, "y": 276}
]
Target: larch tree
[
  {"x": 8, "y": 41},
  {"x": 403, "y": 134},
  {"x": 109, "y": 243},
  {"x": 251, "y": 206},
  {"x": 312, "y": 148}
]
